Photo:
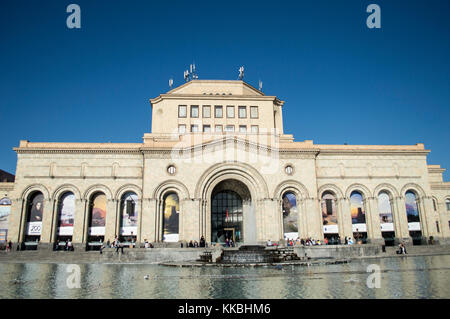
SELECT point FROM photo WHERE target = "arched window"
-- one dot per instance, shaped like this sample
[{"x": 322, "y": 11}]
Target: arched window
[
  {"x": 97, "y": 220},
  {"x": 384, "y": 208},
  {"x": 5, "y": 209},
  {"x": 435, "y": 205},
  {"x": 329, "y": 213},
  {"x": 447, "y": 203},
  {"x": 358, "y": 214},
  {"x": 171, "y": 212},
  {"x": 66, "y": 214},
  {"x": 386, "y": 219},
  {"x": 35, "y": 213},
  {"x": 357, "y": 208},
  {"x": 412, "y": 208},
  {"x": 128, "y": 214},
  {"x": 290, "y": 216},
  {"x": 413, "y": 216}
]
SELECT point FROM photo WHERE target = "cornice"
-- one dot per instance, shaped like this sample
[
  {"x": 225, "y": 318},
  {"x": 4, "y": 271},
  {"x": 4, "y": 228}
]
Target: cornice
[
  {"x": 373, "y": 152},
  {"x": 214, "y": 97}
]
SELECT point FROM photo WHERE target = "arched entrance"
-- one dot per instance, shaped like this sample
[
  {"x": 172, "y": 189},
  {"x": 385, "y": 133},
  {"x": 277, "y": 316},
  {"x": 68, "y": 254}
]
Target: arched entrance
[{"x": 232, "y": 214}]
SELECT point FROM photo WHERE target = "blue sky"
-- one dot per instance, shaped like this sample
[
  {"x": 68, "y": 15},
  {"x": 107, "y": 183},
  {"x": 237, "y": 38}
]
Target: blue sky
[{"x": 342, "y": 82}]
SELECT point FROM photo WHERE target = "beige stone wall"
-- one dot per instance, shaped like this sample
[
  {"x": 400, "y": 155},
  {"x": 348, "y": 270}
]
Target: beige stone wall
[
  {"x": 260, "y": 167},
  {"x": 202, "y": 161},
  {"x": 165, "y": 119}
]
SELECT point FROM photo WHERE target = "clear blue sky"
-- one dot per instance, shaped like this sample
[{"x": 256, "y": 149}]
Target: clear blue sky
[{"x": 342, "y": 82}]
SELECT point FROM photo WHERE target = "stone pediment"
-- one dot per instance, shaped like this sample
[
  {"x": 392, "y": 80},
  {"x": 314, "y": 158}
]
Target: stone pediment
[{"x": 216, "y": 88}]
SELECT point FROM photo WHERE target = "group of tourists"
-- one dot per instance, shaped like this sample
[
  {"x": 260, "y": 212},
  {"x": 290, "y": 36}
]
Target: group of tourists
[
  {"x": 195, "y": 244},
  {"x": 63, "y": 245},
  {"x": 289, "y": 242}
]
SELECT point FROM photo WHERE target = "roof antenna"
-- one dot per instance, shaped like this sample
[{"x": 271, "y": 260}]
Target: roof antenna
[
  {"x": 241, "y": 73},
  {"x": 194, "y": 75},
  {"x": 260, "y": 85},
  {"x": 170, "y": 83}
]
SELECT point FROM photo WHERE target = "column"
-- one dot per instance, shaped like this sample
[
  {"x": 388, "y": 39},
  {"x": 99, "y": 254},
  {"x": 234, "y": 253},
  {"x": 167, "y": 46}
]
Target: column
[
  {"x": 271, "y": 222},
  {"x": 16, "y": 221},
  {"x": 401, "y": 221},
  {"x": 429, "y": 220},
  {"x": 314, "y": 219},
  {"x": 345, "y": 219},
  {"x": 111, "y": 220},
  {"x": 139, "y": 223},
  {"x": 373, "y": 222},
  {"x": 47, "y": 222},
  {"x": 148, "y": 220},
  {"x": 79, "y": 222},
  {"x": 444, "y": 223},
  {"x": 189, "y": 220},
  {"x": 302, "y": 218}
]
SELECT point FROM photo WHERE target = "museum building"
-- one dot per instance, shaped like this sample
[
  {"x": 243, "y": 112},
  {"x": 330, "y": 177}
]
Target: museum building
[{"x": 218, "y": 164}]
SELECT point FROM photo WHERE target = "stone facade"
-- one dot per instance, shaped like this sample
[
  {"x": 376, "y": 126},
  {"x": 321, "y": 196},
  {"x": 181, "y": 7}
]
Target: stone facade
[{"x": 263, "y": 162}]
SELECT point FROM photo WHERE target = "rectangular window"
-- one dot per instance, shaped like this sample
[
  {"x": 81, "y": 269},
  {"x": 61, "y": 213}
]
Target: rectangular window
[
  {"x": 181, "y": 128},
  {"x": 255, "y": 129},
  {"x": 437, "y": 227},
  {"x": 206, "y": 111},
  {"x": 194, "y": 128},
  {"x": 194, "y": 111},
  {"x": 254, "y": 112},
  {"x": 130, "y": 208},
  {"x": 218, "y": 111},
  {"x": 182, "y": 110},
  {"x": 230, "y": 111},
  {"x": 448, "y": 204},
  {"x": 329, "y": 204},
  {"x": 229, "y": 128},
  {"x": 206, "y": 128},
  {"x": 219, "y": 128},
  {"x": 242, "y": 112},
  {"x": 242, "y": 128}
]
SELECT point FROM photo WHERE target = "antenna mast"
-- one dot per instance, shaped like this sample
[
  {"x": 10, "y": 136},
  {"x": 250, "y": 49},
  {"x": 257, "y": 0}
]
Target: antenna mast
[{"x": 241, "y": 73}]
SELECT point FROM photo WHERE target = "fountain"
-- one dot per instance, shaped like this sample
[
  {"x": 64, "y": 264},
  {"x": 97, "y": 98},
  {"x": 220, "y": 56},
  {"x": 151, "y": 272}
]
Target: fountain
[{"x": 248, "y": 254}]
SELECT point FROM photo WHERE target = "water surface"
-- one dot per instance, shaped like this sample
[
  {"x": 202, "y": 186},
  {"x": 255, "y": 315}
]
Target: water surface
[{"x": 402, "y": 277}]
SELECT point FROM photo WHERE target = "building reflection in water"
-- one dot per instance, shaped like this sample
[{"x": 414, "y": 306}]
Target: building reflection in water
[{"x": 402, "y": 277}]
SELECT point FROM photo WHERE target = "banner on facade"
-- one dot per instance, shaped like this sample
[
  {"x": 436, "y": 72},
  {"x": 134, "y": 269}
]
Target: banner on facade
[
  {"x": 34, "y": 228},
  {"x": 387, "y": 227},
  {"x": 413, "y": 226},
  {"x": 97, "y": 231},
  {"x": 330, "y": 229},
  {"x": 65, "y": 231},
  {"x": 128, "y": 231},
  {"x": 361, "y": 228}
]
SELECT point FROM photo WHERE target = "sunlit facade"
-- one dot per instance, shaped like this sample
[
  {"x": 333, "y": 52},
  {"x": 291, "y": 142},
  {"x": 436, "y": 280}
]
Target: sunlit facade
[{"x": 218, "y": 164}]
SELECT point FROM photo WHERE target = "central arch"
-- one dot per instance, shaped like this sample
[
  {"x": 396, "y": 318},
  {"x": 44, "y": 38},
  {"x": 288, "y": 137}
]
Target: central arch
[
  {"x": 255, "y": 186},
  {"x": 230, "y": 206}
]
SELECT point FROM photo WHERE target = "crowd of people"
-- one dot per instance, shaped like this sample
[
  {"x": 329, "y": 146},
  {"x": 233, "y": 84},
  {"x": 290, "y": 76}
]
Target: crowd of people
[
  {"x": 312, "y": 242},
  {"x": 63, "y": 245},
  {"x": 195, "y": 244}
]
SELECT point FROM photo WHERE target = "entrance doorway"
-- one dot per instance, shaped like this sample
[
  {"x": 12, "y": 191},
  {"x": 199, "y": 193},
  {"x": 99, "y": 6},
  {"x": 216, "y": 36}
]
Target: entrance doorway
[
  {"x": 226, "y": 217},
  {"x": 230, "y": 205}
]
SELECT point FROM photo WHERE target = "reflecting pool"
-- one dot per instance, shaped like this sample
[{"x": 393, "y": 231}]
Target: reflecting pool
[{"x": 401, "y": 277}]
